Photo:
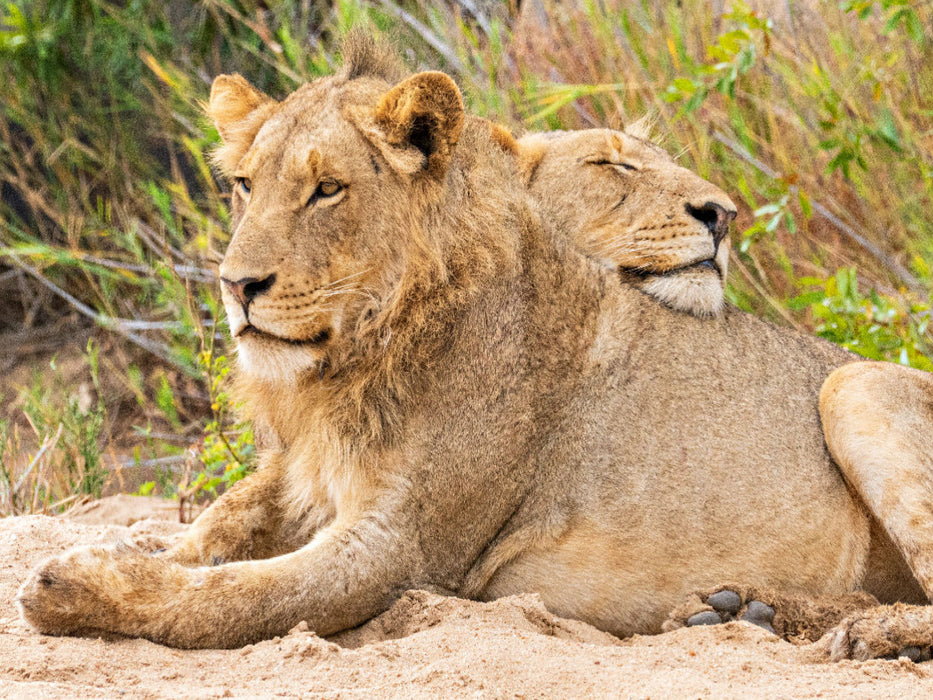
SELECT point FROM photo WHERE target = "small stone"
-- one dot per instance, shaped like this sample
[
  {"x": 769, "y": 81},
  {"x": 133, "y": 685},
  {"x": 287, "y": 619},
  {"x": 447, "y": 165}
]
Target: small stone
[
  {"x": 758, "y": 613},
  {"x": 725, "y": 602},
  {"x": 707, "y": 617},
  {"x": 912, "y": 653},
  {"x": 300, "y": 628}
]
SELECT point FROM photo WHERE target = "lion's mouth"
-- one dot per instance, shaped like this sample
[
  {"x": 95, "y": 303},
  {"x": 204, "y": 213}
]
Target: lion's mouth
[
  {"x": 709, "y": 265},
  {"x": 318, "y": 338}
]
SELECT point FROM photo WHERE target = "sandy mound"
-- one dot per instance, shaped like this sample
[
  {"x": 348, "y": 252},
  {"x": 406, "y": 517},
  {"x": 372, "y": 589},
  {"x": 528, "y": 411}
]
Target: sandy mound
[{"x": 424, "y": 646}]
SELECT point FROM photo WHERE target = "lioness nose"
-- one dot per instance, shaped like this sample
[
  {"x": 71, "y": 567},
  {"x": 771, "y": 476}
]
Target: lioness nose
[
  {"x": 715, "y": 217},
  {"x": 248, "y": 288}
]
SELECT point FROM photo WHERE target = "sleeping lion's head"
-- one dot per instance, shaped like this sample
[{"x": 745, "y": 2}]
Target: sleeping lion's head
[
  {"x": 324, "y": 183},
  {"x": 625, "y": 201}
]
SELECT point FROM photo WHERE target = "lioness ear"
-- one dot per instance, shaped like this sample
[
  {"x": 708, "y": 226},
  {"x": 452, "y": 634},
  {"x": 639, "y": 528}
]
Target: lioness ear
[
  {"x": 503, "y": 138},
  {"x": 531, "y": 150},
  {"x": 238, "y": 110},
  {"x": 420, "y": 121}
]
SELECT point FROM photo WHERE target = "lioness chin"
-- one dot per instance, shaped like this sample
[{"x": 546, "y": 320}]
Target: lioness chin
[{"x": 458, "y": 399}]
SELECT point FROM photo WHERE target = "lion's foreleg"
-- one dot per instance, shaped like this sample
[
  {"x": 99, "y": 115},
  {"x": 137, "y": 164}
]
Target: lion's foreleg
[
  {"x": 247, "y": 522},
  {"x": 878, "y": 421},
  {"x": 339, "y": 580}
]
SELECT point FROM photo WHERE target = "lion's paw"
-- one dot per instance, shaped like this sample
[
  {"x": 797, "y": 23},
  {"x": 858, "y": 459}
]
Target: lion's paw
[
  {"x": 726, "y": 605},
  {"x": 884, "y": 632},
  {"x": 90, "y": 590},
  {"x": 64, "y": 594}
]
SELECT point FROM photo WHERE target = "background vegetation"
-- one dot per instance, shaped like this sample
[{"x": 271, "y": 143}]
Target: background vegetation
[{"x": 816, "y": 116}]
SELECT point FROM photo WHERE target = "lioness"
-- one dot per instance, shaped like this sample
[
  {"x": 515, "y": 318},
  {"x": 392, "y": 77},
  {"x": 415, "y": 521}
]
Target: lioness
[
  {"x": 624, "y": 200},
  {"x": 457, "y": 398}
]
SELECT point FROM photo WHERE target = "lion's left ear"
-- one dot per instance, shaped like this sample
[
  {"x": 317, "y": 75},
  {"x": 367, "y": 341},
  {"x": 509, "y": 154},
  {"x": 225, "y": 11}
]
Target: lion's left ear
[{"x": 418, "y": 122}]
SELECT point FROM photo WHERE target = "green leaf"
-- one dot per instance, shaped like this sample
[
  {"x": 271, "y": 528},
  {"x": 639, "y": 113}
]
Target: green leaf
[{"x": 798, "y": 303}]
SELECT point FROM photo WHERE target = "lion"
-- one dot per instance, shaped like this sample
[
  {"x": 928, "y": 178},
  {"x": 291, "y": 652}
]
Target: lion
[
  {"x": 623, "y": 200},
  {"x": 456, "y": 398},
  {"x": 614, "y": 212}
]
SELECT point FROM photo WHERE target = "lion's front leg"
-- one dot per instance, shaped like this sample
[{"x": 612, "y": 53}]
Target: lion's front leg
[
  {"x": 247, "y": 522},
  {"x": 341, "y": 579}
]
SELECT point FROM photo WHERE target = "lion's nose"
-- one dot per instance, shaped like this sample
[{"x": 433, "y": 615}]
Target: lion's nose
[
  {"x": 715, "y": 217},
  {"x": 248, "y": 288}
]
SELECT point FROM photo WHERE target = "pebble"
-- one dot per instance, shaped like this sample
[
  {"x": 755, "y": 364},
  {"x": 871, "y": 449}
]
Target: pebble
[
  {"x": 912, "y": 653},
  {"x": 725, "y": 601},
  {"x": 760, "y": 614},
  {"x": 708, "y": 617}
]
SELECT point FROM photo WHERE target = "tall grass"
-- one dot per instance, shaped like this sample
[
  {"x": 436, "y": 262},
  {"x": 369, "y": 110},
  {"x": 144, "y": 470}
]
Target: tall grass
[{"x": 818, "y": 121}]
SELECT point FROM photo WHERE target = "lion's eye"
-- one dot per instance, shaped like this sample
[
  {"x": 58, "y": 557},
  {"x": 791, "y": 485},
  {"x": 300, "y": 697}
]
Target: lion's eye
[
  {"x": 245, "y": 184},
  {"x": 328, "y": 188},
  {"x": 325, "y": 189},
  {"x": 615, "y": 164}
]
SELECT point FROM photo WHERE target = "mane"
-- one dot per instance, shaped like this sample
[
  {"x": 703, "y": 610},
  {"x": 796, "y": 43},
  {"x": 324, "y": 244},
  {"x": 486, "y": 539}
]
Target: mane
[
  {"x": 367, "y": 57},
  {"x": 359, "y": 394}
]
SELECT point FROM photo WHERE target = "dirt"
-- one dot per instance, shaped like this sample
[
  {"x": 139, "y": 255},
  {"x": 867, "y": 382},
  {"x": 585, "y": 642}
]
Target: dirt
[{"x": 424, "y": 646}]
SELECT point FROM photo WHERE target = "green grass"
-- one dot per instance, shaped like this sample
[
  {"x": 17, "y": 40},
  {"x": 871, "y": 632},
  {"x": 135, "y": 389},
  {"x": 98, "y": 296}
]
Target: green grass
[{"x": 110, "y": 216}]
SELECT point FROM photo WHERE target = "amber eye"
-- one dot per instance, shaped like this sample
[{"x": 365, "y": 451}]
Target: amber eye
[
  {"x": 245, "y": 184},
  {"x": 325, "y": 189},
  {"x": 328, "y": 188}
]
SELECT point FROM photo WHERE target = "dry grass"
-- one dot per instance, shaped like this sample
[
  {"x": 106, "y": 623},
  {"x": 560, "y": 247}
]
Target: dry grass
[{"x": 111, "y": 221}]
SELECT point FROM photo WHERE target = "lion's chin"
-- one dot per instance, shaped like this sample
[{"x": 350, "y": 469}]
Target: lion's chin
[
  {"x": 276, "y": 361},
  {"x": 695, "y": 291}
]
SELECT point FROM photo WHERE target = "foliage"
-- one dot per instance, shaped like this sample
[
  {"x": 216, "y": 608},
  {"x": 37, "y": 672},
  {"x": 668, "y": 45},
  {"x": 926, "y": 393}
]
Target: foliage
[{"x": 112, "y": 222}]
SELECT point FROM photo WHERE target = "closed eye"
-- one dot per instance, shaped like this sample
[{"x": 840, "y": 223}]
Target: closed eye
[{"x": 615, "y": 164}]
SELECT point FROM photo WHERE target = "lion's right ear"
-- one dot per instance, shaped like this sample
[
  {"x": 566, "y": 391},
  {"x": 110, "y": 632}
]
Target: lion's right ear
[{"x": 238, "y": 110}]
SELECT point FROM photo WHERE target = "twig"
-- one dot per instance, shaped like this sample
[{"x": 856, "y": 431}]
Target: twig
[
  {"x": 478, "y": 14},
  {"x": 46, "y": 446},
  {"x": 124, "y": 327},
  {"x": 902, "y": 274}
]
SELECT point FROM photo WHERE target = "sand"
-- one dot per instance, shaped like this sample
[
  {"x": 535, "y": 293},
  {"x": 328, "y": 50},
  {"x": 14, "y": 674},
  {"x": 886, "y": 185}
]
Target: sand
[{"x": 424, "y": 646}]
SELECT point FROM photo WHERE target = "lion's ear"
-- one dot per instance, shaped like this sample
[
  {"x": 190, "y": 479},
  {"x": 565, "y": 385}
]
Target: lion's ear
[
  {"x": 531, "y": 150},
  {"x": 419, "y": 122},
  {"x": 238, "y": 110}
]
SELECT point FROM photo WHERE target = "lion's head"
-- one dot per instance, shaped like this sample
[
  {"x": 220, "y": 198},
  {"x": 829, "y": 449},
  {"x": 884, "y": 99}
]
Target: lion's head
[
  {"x": 333, "y": 189},
  {"x": 626, "y": 202}
]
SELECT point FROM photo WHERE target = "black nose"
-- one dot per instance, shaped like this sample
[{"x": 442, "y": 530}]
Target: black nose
[
  {"x": 248, "y": 288},
  {"x": 715, "y": 217}
]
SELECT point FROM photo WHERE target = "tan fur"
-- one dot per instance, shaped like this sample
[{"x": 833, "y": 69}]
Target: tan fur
[
  {"x": 458, "y": 399},
  {"x": 626, "y": 202}
]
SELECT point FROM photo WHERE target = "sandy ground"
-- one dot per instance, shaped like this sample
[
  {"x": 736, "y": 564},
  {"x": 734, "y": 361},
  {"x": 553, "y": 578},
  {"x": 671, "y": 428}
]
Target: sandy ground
[{"x": 424, "y": 646}]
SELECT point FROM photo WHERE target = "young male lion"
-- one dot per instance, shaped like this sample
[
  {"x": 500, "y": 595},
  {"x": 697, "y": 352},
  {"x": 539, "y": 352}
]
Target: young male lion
[{"x": 458, "y": 399}]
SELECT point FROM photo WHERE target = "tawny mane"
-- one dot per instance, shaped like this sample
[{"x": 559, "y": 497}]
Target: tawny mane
[{"x": 365, "y": 57}]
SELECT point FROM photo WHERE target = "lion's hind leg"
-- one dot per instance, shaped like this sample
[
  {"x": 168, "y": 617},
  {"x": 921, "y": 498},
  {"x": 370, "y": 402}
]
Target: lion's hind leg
[
  {"x": 878, "y": 425},
  {"x": 884, "y": 631}
]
